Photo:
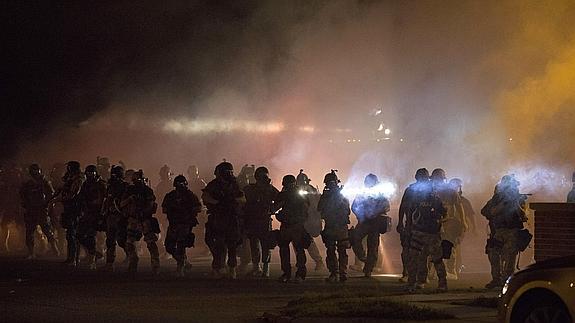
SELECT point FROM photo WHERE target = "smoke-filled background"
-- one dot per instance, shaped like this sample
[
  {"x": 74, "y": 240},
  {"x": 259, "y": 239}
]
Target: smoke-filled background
[{"x": 479, "y": 88}]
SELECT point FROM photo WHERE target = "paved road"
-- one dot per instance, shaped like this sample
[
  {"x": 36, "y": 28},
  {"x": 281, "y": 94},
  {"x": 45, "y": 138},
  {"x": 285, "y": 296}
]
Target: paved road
[{"x": 44, "y": 290}]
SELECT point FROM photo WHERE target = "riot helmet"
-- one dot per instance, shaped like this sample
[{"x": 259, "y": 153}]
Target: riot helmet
[
  {"x": 456, "y": 184},
  {"x": 91, "y": 172},
  {"x": 288, "y": 181},
  {"x": 331, "y": 177},
  {"x": 370, "y": 180},
  {"x": 422, "y": 175},
  {"x": 117, "y": 172},
  {"x": 165, "y": 172},
  {"x": 438, "y": 176},
  {"x": 262, "y": 174},
  {"x": 73, "y": 167},
  {"x": 224, "y": 170},
  {"x": 138, "y": 177},
  {"x": 180, "y": 182},
  {"x": 302, "y": 178},
  {"x": 34, "y": 170}
]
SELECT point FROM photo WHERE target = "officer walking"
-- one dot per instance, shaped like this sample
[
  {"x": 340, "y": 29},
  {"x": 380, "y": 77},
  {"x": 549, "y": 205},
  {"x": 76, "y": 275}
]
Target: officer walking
[
  {"x": 260, "y": 197},
  {"x": 224, "y": 200},
  {"x": 35, "y": 195},
  {"x": 403, "y": 224},
  {"x": 116, "y": 222},
  {"x": 91, "y": 198},
  {"x": 368, "y": 208},
  {"x": 70, "y": 197},
  {"x": 426, "y": 215},
  {"x": 181, "y": 207},
  {"x": 139, "y": 206},
  {"x": 505, "y": 212},
  {"x": 334, "y": 209},
  {"x": 292, "y": 213}
]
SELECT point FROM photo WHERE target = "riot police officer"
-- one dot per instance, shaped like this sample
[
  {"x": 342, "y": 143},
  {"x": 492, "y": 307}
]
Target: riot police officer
[
  {"x": 116, "y": 222},
  {"x": 403, "y": 224},
  {"x": 35, "y": 195},
  {"x": 70, "y": 197},
  {"x": 313, "y": 222},
  {"x": 505, "y": 212},
  {"x": 369, "y": 208},
  {"x": 260, "y": 197},
  {"x": 91, "y": 198},
  {"x": 292, "y": 213},
  {"x": 139, "y": 206},
  {"x": 224, "y": 200},
  {"x": 181, "y": 207},
  {"x": 334, "y": 209}
]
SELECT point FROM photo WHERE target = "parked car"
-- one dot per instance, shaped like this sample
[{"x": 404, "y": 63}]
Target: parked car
[{"x": 542, "y": 292}]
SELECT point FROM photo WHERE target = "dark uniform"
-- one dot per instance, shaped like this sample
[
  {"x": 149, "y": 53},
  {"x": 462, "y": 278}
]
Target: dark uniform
[
  {"x": 506, "y": 215},
  {"x": 139, "y": 206},
  {"x": 257, "y": 220},
  {"x": 334, "y": 209},
  {"x": 403, "y": 225},
  {"x": 91, "y": 197},
  {"x": 223, "y": 198},
  {"x": 292, "y": 214},
  {"x": 116, "y": 221},
  {"x": 70, "y": 197},
  {"x": 35, "y": 196},
  {"x": 196, "y": 185},
  {"x": 426, "y": 214},
  {"x": 368, "y": 208},
  {"x": 164, "y": 187},
  {"x": 181, "y": 207}
]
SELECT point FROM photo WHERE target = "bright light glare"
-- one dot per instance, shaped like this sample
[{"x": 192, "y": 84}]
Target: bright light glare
[
  {"x": 308, "y": 129},
  {"x": 386, "y": 189},
  {"x": 303, "y": 192},
  {"x": 221, "y": 125},
  {"x": 387, "y": 131},
  {"x": 381, "y": 127}
]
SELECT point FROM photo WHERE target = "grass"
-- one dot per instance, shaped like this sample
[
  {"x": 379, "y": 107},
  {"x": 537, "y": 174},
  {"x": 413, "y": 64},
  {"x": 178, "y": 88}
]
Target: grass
[{"x": 359, "y": 304}]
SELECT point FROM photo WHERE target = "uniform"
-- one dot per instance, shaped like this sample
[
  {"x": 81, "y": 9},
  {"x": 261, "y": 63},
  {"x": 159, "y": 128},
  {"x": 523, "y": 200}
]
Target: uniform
[
  {"x": 35, "y": 195},
  {"x": 139, "y": 205},
  {"x": 181, "y": 207},
  {"x": 334, "y": 209},
  {"x": 222, "y": 229},
  {"x": 71, "y": 203},
  {"x": 505, "y": 213},
  {"x": 91, "y": 198},
  {"x": 426, "y": 214},
  {"x": 116, "y": 222},
  {"x": 292, "y": 215},
  {"x": 257, "y": 221},
  {"x": 454, "y": 224}
]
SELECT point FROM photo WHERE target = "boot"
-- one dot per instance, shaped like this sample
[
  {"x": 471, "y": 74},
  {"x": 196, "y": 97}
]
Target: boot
[
  {"x": 180, "y": 270},
  {"x": 92, "y": 262},
  {"x": 342, "y": 277},
  {"x": 54, "y": 248},
  {"x": 256, "y": 270},
  {"x": 285, "y": 278},
  {"x": 216, "y": 274},
  {"x": 232, "y": 274},
  {"x": 442, "y": 286},
  {"x": 332, "y": 278},
  {"x": 266, "y": 270}
]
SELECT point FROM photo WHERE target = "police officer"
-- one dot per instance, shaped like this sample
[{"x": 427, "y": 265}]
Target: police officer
[
  {"x": 454, "y": 225},
  {"x": 334, "y": 209},
  {"x": 426, "y": 215},
  {"x": 313, "y": 222},
  {"x": 35, "y": 195},
  {"x": 181, "y": 207},
  {"x": 196, "y": 184},
  {"x": 368, "y": 208},
  {"x": 292, "y": 213},
  {"x": 164, "y": 186},
  {"x": 70, "y": 198},
  {"x": 91, "y": 198},
  {"x": 116, "y": 222},
  {"x": 456, "y": 262},
  {"x": 224, "y": 200},
  {"x": 571, "y": 195},
  {"x": 505, "y": 212},
  {"x": 260, "y": 197},
  {"x": 139, "y": 206},
  {"x": 403, "y": 224}
]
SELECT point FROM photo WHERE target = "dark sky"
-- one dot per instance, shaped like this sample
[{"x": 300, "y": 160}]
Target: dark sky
[{"x": 64, "y": 61}]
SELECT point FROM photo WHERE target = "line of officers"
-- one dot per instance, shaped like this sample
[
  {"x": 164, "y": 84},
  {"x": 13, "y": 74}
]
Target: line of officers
[{"x": 431, "y": 221}]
